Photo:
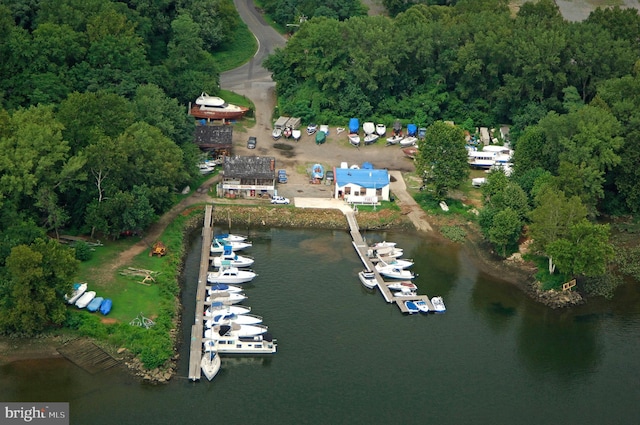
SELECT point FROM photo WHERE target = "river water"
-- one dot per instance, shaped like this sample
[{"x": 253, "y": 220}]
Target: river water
[{"x": 345, "y": 356}]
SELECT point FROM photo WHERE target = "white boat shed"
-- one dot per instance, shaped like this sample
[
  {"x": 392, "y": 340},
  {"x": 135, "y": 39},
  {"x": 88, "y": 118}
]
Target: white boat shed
[{"x": 361, "y": 186}]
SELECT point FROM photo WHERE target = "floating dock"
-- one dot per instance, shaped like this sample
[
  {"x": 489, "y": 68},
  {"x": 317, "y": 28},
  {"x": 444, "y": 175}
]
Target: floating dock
[
  {"x": 197, "y": 329},
  {"x": 362, "y": 249}
]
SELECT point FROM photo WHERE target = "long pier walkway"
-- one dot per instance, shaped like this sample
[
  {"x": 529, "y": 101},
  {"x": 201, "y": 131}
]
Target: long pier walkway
[
  {"x": 197, "y": 329},
  {"x": 362, "y": 249}
]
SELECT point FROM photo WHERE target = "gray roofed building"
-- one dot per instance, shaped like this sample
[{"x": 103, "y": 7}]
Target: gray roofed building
[
  {"x": 217, "y": 138},
  {"x": 248, "y": 176}
]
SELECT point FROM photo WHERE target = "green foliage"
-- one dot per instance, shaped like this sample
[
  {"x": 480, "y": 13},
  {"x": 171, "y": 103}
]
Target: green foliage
[
  {"x": 38, "y": 275},
  {"x": 505, "y": 229},
  {"x": 442, "y": 158},
  {"x": 628, "y": 261},
  {"x": 603, "y": 285},
  {"x": 454, "y": 233},
  {"x": 548, "y": 280},
  {"x": 83, "y": 251}
]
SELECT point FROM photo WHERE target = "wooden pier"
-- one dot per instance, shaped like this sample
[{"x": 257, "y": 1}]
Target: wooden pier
[
  {"x": 87, "y": 355},
  {"x": 197, "y": 329},
  {"x": 362, "y": 249}
]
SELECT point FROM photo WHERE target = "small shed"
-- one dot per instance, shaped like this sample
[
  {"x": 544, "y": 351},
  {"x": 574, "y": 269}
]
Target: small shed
[{"x": 215, "y": 138}]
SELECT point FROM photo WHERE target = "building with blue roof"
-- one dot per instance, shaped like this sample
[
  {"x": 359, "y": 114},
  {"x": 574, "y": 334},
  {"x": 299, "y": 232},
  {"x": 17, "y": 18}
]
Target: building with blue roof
[{"x": 361, "y": 186}]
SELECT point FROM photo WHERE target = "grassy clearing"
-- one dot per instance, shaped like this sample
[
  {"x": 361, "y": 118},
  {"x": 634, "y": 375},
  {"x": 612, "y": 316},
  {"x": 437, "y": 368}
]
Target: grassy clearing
[{"x": 240, "y": 50}]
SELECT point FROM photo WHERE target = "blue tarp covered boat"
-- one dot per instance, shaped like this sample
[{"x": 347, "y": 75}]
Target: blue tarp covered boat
[
  {"x": 317, "y": 172},
  {"x": 412, "y": 129},
  {"x": 94, "y": 305},
  {"x": 105, "y": 307},
  {"x": 367, "y": 166},
  {"x": 354, "y": 125}
]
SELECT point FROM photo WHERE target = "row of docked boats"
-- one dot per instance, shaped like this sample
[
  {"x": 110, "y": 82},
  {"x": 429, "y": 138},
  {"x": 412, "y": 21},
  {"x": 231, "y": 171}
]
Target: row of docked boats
[
  {"x": 82, "y": 298},
  {"x": 229, "y": 326},
  {"x": 386, "y": 256}
]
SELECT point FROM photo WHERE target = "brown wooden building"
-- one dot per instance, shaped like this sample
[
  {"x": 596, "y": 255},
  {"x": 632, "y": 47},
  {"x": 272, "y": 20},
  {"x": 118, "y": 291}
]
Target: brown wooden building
[
  {"x": 248, "y": 177},
  {"x": 215, "y": 139}
]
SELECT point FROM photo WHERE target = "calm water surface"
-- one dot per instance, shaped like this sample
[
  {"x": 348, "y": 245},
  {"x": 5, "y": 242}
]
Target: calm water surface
[{"x": 345, "y": 356}]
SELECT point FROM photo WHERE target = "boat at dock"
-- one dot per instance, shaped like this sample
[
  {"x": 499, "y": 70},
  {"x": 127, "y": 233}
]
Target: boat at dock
[
  {"x": 368, "y": 278},
  {"x": 388, "y": 251},
  {"x": 400, "y": 285},
  {"x": 220, "y": 287},
  {"x": 394, "y": 272},
  {"x": 411, "y": 306},
  {"x": 228, "y": 298},
  {"x": 229, "y": 344},
  {"x": 405, "y": 293},
  {"x": 230, "y": 237},
  {"x": 217, "y": 245},
  {"x": 232, "y": 258},
  {"x": 230, "y": 275},
  {"x": 234, "y": 329},
  {"x": 218, "y": 307},
  {"x": 438, "y": 305},
  {"x": 393, "y": 261},
  {"x": 228, "y": 318},
  {"x": 210, "y": 363},
  {"x": 422, "y": 306}
]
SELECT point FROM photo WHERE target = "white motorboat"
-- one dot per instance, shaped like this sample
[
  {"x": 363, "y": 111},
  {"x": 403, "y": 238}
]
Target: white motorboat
[
  {"x": 233, "y": 260},
  {"x": 394, "y": 140},
  {"x": 220, "y": 287},
  {"x": 215, "y": 108},
  {"x": 230, "y": 237},
  {"x": 276, "y": 133},
  {"x": 210, "y": 364},
  {"x": 408, "y": 141},
  {"x": 438, "y": 305},
  {"x": 422, "y": 306},
  {"x": 368, "y": 279},
  {"x": 230, "y": 275},
  {"x": 383, "y": 244},
  {"x": 85, "y": 299},
  {"x": 228, "y": 318},
  {"x": 219, "y": 308},
  {"x": 354, "y": 139},
  {"x": 206, "y": 168},
  {"x": 78, "y": 290},
  {"x": 381, "y": 129},
  {"x": 228, "y": 298},
  {"x": 234, "y": 329},
  {"x": 296, "y": 134},
  {"x": 368, "y": 127},
  {"x": 393, "y": 261},
  {"x": 217, "y": 245},
  {"x": 325, "y": 129},
  {"x": 394, "y": 272},
  {"x": 370, "y": 139},
  {"x": 405, "y": 293},
  {"x": 259, "y": 344},
  {"x": 400, "y": 285},
  {"x": 411, "y": 307},
  {"x": 311, "y": 129},
  {"x": 387, "y": 251}
]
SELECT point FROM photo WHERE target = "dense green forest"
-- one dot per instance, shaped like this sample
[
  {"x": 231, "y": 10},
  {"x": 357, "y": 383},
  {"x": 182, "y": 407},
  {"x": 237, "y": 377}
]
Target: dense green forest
[
  {"x": 569, "y": 91},
  {"x": 94, "y": 135}
]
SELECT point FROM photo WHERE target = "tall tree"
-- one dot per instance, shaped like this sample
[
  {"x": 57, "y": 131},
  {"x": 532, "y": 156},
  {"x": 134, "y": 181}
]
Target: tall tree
[
  {"x": 442, "y": 157},
  {"x": 38, "y": 277}
]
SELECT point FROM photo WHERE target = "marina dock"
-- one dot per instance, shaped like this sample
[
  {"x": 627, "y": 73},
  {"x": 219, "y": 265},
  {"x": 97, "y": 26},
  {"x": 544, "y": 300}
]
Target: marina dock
[
  {"x": 197, "y": 329},
  {"x": 362, "y": 249}
]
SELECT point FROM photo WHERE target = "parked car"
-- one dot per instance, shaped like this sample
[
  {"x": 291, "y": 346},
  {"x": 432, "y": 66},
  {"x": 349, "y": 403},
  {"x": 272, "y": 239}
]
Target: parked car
[
  {"x": 329, "y": 175},
  {"x": 279, "y": 200},
  {"x": 251, "y": 143}
]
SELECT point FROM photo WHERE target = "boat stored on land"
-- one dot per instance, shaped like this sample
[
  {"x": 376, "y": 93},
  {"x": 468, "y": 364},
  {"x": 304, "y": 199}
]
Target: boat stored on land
[
  {"x": 368, "y": 128},
  {"x": 354, "y": 139},
  {"x": 317, "y": 172},
  {"x": 105, "y": 307},
  {"x": 381, "y": 129},
  {"x": 370, "y": 139},
  {"x": 213, "y": 107},
  {"x": 95, "y": 303},
  {"x": 85, "y": 299},
  {"x": 78, "y": 290},
  {"x": 394, "y": 140}
]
